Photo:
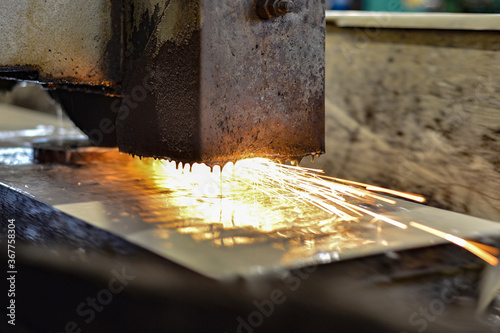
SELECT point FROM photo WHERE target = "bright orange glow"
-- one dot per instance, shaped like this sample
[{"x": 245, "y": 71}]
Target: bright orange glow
[
  {"x": 277, "y": 182},
  {"x": 368, "y": 187},
  {"x": 410, "y": 196},
  {"x": 490, "y": 249},
  {"x": 225, "y": 206},
  {"x": 283, "y": 202},
  {"x": 469, "y": 246}
]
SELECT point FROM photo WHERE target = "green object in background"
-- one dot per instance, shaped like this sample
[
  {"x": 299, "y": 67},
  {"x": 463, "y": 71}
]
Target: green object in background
[
  {"x": 450, "y": 6},
  {"x": 383, "y": 5},
  {"x": 395, "y": 5}
]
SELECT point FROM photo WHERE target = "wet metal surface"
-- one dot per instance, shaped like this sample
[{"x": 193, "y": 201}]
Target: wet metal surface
[
  {"x": 238, "y": 233},
  {"x": 20, "y": 127},
  {"x": 189, "y": 218}
]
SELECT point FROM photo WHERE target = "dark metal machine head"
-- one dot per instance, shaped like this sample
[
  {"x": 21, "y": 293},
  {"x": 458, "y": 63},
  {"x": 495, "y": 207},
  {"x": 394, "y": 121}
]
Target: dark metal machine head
[{"x": 193, "y": 81}]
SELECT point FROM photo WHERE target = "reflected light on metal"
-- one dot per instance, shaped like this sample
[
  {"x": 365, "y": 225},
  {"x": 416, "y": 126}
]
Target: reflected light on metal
[
  {"x": 280, "y": 201},
  {"x": 254, "y": 200},
  {"x": 251, "y": 182},
  {"x": 469, "y": 246},
  {"x": 271, "y": 199}
]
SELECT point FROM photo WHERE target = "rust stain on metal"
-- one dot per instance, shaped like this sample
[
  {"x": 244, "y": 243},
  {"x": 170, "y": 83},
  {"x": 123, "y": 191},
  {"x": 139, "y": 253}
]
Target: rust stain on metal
[
  {"x": 180, "y": 20},
  {"x": 65, "y": 41},
  {"x": 185, "y": 80},
  {"x": 166, "y": 123},
  {"x": 238, "y": 87}
]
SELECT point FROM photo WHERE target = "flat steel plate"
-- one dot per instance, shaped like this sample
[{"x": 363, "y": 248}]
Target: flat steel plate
[{"x": 219, "y": 236}]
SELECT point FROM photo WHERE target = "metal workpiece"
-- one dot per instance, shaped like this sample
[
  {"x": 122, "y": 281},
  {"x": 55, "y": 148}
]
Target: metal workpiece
[
  {"x": 193, "y": 244},
  {"x": 222, "y": 236},
  {"x": 223, "y": 84},
  {"x": 184, "y": 80}
]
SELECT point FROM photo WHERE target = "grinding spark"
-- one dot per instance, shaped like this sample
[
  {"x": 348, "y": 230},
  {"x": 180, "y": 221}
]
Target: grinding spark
[
  {"x": 311, "y": 186},
  {"x": 332, "y": 194},
  {"x": 348, "y": 200}
]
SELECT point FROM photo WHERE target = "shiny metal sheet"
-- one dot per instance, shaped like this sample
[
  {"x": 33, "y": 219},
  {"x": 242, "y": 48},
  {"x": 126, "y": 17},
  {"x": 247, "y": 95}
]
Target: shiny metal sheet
[
  {"x": 214, "y": 235},
  {"x": 359, "y": 239},
  {"x": 220, "y": 233}
]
